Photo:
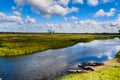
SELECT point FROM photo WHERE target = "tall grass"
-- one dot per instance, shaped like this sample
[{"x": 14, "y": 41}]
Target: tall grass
[{"x": 19, "y": 44}]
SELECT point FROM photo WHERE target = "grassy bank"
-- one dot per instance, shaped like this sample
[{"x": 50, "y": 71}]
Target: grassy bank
[
  {"x": 111, "y": 71},
  {"x": 12, "y": 44}
]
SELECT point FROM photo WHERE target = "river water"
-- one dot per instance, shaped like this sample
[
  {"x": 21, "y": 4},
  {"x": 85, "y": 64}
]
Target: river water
[{"x": 50, "y": 64}]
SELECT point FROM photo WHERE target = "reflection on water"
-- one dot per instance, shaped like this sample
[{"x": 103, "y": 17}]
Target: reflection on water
[{"x": 49, "y": 64}]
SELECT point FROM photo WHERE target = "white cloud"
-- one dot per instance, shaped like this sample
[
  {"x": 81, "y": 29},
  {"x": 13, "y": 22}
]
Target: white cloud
[
  {"x": 84, "y": 26},
  {"x": 79, "y": 1},
  {"x": 93, "y": 2},
  {"x": 63, "y": 2},
  {"x": 11, "y": 18},
  {"x": 17, "y": 13},
  {"x": 65, "y": 18},
  {"x": 87, "y": 26},
  {"x": 20, "y": 2},
  {"x": 101, "y": 12},
  {"x": 15, "y": 18},
  {"x": 91, "y": 26},
  {"x": 2, "y": 14},
  {"x": 13, "y": 8},
  {"x": 30, "y": 20},
  {"x": 106, "y": 1},
  {"x": 49, "y": 7},
  {"x": 72, "y": 18}
]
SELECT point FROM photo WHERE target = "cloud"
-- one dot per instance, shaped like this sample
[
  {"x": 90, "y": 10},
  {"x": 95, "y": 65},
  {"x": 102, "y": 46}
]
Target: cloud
[
  {"x": 13, "y": 8},
  {"x": 83, "y": 26},
  {"x": 17, "y": 13},
  {"x": 101, "y": 12},
  {"x": 91, "y": 26},
  {"x": 93, "y": 2},
  {"x": 72, "y": 18},
  {"x": 106, "y": 1},
  {"x": 2, "y": 14},
  {"x": 11, "y": 18},
  {"x": 30, "y": 20},
  {"x": 86, "y": 26},
  {"x": 79, "y": 1},
  {"x": 15, "y": 18},
  {"x": 20, "y": 2},
  {"x": 63, "y": 2},
  {"x": 49, "y": 7}
]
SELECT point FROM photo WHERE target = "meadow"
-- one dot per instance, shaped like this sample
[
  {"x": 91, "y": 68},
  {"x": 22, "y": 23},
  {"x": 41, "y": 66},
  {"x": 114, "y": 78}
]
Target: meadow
[
  {"x": 109, "y": 72},
  {"x": 15, "y": 44}
]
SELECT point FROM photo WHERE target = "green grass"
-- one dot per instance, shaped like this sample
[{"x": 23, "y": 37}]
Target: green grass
[
  {"x": 14, "y": 44},
  {"x": 107, "y": 73}
]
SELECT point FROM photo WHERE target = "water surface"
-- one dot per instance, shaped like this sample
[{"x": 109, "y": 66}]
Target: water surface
[{"x": 52, "y": 63}]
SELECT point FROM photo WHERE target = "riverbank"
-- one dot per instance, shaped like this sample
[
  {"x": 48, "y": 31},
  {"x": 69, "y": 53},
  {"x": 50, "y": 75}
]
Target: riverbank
[
  {"x": 14, "y": 44},
  {"x": 110, "y": 71}
]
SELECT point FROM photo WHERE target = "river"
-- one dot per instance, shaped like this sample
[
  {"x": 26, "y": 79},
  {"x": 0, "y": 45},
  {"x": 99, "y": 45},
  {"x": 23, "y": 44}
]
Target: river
[{"x": 50, "y": 64}]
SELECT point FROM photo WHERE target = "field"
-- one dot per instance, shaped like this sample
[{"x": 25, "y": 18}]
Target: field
[
  {"x": 14, "y": 44},
  {"x": 109, "y": 72}
]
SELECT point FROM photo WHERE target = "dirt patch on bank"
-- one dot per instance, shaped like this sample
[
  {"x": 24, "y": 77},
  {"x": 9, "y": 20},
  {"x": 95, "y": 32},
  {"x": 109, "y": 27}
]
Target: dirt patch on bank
[{"x": 110, "y": 63}]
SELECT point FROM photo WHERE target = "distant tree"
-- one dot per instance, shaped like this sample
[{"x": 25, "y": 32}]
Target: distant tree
[
  {"x": 50, "y": 31},
  {"x": 119, "y": 31},
  {"x": 53, "y": 32}
]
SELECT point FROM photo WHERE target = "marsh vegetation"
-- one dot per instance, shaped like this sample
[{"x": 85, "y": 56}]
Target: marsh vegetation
[{"x": 14, "y": 44}]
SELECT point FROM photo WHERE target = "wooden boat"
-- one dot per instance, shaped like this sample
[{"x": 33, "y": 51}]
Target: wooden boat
[
  {"x": 86, "y": 67},
  {"x": 76, "y": 71},
  {"x": 92, "y": 64}
]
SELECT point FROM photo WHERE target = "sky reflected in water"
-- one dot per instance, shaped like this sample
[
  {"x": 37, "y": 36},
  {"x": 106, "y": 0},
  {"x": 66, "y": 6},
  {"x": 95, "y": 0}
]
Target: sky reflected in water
[{"x": 50, "y": 64}]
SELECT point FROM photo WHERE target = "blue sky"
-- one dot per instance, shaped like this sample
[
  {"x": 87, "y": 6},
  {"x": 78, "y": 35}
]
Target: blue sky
[{"x": 63, "y": 16}]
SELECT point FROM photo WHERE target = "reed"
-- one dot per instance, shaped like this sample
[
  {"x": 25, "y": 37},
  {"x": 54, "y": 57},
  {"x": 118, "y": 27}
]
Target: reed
[{"x": 14, "y": 44}]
